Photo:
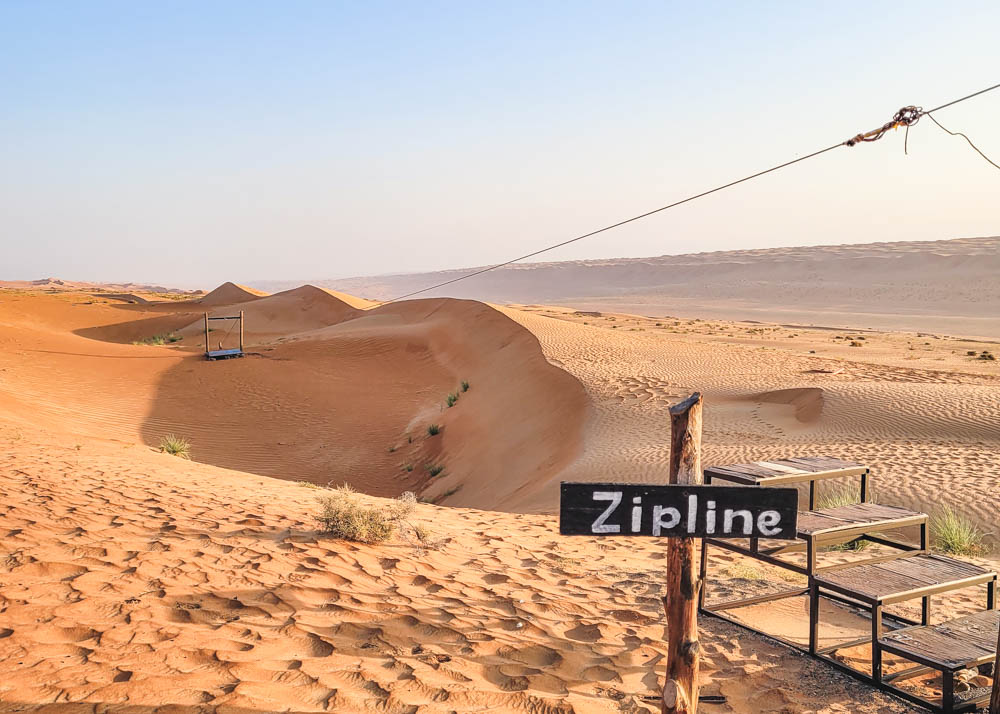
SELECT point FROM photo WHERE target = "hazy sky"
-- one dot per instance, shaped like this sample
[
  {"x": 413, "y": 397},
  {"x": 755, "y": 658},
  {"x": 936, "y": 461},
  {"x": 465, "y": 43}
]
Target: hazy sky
[{"x": 195, "y": 142}]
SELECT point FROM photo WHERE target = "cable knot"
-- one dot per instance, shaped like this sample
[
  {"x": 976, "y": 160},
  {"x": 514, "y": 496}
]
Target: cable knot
[{"x": 905, "y": 117}]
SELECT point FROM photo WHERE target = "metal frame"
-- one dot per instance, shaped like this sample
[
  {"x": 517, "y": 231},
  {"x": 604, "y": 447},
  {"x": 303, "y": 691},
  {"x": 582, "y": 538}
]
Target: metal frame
[
  {"x": 874, "y": 606},
  {"x": 220, "y": 353},
  {"x": 811, "y": 541}
]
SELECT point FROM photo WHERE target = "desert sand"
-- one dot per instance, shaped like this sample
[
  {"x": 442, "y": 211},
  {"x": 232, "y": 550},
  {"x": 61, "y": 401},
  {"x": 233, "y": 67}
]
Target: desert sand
[
  {"x": 136, "y": 581},
  {"x": 945, "y": 286}
]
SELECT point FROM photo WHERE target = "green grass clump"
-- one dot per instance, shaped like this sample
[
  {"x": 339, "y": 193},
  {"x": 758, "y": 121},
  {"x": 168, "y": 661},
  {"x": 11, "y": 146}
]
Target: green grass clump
[
  {"x": 176, "y": 446},
  {"x": 433, "y": 430},
  {"x": 434, "y": 470},
  {"x": 465, "y": 385},
  {"x": 843, "y": 496},
  {"x": 345, "y": 516},
  {"x": 952, "y": 532},
  {"x": 451, "y": 399}
]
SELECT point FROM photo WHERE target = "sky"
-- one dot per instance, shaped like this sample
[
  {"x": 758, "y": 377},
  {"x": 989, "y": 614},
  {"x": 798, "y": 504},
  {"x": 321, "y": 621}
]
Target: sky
[{"x": 189, "y": 143}]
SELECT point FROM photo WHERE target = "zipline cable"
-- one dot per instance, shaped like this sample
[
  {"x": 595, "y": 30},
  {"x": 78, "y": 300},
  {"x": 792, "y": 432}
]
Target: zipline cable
[{"x": 905, "y": 117}]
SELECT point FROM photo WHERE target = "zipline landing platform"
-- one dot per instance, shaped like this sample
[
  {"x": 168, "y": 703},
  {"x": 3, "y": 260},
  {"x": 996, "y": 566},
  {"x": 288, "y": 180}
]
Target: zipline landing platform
[
  {"x": 221, "y": 353},
  {"x": 224, "y": 354}
]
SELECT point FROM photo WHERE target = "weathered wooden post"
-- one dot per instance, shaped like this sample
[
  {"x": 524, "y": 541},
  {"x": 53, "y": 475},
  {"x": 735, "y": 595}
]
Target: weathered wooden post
[
  {"x": 241, "y": 331},
  {"x": 995, "y": 698},
  {"x": 680, "y": 693},
  {"x": 208, "y": 347}
]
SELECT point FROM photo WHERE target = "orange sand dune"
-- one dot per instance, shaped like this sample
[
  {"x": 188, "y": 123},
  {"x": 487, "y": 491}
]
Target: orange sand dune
[
  {"x": 229, "y": 293},
  {"x": 329, "y": 393}
]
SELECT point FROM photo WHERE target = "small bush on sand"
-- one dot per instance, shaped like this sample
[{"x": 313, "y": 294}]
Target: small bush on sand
[
  {"x": 176, "y": 445},
  {"x": 433, "y": 430},
  {"x": 344, "y": 515},
  {"x": 971, "y": 353},
  {"x": 987, "y": 355},
  {"x": 953, "y": 533},
  {"x": 434, "y": 470},
  {"x": 158, "y": 340},
  {"x": 855, "y": 343},
  {"x": 465, "y": 385},
  {"x": 452, "y": 398}
]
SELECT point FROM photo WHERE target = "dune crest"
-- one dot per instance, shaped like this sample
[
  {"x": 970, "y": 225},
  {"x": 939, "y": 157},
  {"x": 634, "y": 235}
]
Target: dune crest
[{"x": 229, "y": 293}]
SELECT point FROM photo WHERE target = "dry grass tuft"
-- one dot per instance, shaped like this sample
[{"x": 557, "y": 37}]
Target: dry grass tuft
[
  {"x": 345, "y": 516},
  {"x": 953, "y": 533},
  {"x": 176, "y": 446}
]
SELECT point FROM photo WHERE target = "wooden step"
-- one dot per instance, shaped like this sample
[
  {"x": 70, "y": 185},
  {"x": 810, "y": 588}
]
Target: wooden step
[
  {"x": 902, "y": 579},
  {"x": 873, "y": 516},
  {"x": 953, "y": 645}
]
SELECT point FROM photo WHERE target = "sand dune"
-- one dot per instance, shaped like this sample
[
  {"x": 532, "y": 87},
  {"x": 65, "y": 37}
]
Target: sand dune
[
  {"x": 330, "y": 393},
  {"x": 946, "y": 286},
  {"x": 229, "y": 293}
]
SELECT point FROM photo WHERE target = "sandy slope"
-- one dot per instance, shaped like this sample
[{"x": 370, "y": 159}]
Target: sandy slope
[
  {"x": 930, "y": 434},
  {"x": 144, "y": 583},
  {"x": 946, "y": 286}
]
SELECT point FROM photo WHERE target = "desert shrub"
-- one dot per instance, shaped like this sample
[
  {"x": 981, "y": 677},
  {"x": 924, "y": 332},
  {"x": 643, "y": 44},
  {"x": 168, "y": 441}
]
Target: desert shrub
[
  {"x": 855, "y": 343},
  {"x": 986, "y": 355},
  {"x": 465, "y": 385},
  {"x": 451, "y": 399},
  {"x": 408, "y": 468},
  {"x": 176, "y": 446},
  {"x": 971, "y": 353},
  {"x": 434, "y": 469},
  {"x": 158, "y": 339},
  {"x": 344, "y": 515},
  {"x": 433, "y": 430},
  {"x": 953, "y": 533},
  {"x": 392, "y": 449}
]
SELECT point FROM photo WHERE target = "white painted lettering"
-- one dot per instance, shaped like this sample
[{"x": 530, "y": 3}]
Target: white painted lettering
[
  {"x": 599, "y": 525},
  {"x": 727, "y": 521},
  {"x": 767, "y": 523},
  {"x": 673, "y": 518},
  {"x": 636, "y": 514}
]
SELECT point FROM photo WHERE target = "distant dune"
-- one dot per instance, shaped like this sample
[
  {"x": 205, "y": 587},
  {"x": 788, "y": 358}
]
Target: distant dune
[
  {"x": 59, "y": 285},
  {"x": 946, "y": 286},
  {"x": 229, "y": 293}
]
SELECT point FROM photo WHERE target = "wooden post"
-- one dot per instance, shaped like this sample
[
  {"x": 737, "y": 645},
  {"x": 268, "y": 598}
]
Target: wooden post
[
  {"x": 995, "y": 699},
  {"x": 680, "y": 693},
  {"x": 207, "y": 346},
  {"x": 241, "y": 330}
]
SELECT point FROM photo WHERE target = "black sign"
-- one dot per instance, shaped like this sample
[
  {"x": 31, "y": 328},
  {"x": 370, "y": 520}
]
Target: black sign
[{"x": 617, "y": 509}]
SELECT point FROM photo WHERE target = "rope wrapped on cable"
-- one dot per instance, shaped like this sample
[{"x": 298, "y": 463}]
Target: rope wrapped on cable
[{"x": 907, "y": 117}]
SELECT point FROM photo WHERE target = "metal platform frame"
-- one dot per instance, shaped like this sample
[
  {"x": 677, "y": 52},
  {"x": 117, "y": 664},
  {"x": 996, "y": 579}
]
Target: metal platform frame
[{"x": 221, "y": 353}]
